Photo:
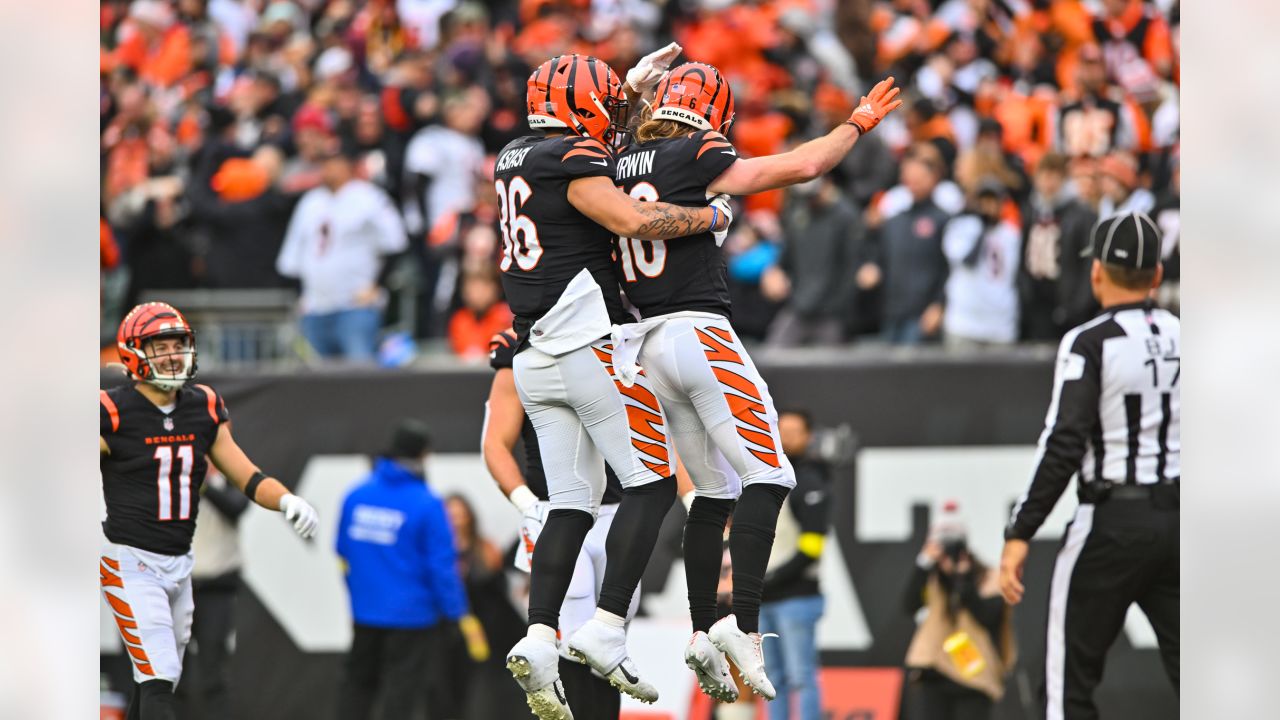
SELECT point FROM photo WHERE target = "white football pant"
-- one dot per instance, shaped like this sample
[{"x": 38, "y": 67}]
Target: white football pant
[{"x": 150, "y": 598}]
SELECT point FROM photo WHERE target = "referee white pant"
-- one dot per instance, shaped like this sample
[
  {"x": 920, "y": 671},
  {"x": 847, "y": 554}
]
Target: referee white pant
[{"x": 584, "y": 418}]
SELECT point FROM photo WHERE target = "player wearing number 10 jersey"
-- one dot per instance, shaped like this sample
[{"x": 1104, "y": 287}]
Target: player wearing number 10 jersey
[
  {"x": 155, "y": 434},
  {"x": 558, "y": 211},
  {"x": 718, "y": 408}
]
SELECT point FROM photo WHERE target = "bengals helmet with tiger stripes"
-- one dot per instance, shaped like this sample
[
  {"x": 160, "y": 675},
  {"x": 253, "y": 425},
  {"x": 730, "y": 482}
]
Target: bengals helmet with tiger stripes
[
  {"x": 145, "y": 323},
  {"x": 579, "y": 93},
  {"x": 695, "y": 94}
]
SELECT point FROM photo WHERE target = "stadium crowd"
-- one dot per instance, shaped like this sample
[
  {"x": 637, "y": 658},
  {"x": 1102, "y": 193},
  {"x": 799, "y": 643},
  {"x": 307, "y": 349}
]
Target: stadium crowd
[{"x": 243, "y": 139}]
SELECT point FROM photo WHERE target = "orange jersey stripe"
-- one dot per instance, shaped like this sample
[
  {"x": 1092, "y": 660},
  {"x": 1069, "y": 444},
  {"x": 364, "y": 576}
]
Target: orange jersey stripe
[
  {"x": 108, "y": 578},
  {"x": 213, "y": 401},
  {"x": 112, "y": 412},
  {"x": 711, "y": 146},
  {"x": 587, "y": 153},
  {"x": 737, "y": 382},
  {"x": 716, "y": 350},
  {"x": 721, "y": 333},
  {"x": 770, "y": 459},
  {"x": 749, "y": 412},
  {"x": 640, "y": 395},
  {"x": 120, "y": 606}
]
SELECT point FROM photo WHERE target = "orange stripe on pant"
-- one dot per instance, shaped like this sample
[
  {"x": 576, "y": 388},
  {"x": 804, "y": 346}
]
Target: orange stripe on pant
[
  {"x": 750, "y": 411},
  {"x": 108, "y": 578},
  {"x": 717, "y": 350}
]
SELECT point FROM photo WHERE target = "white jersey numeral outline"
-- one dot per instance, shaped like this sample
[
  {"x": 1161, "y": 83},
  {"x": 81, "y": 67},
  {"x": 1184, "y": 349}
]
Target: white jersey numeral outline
[{"x": 648, "y": 257}]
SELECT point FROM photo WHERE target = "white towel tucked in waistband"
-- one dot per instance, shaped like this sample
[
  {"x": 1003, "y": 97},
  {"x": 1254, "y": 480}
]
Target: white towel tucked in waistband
[
  {"x": 578, "y": 318},
  {"x": 629, "y": 339}
]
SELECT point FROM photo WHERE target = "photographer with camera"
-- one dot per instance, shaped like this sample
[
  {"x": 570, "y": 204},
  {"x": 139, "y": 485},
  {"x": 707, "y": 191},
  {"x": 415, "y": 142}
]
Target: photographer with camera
[{"x": 963, "y": 646}]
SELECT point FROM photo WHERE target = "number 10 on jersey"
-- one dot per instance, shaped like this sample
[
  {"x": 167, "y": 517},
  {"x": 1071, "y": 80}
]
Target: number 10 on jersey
[{"x": 647, "y": 257}]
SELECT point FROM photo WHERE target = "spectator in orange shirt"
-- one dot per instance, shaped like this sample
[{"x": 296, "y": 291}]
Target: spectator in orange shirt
[
  {"x": 483, "y": 314},
  {"x": 153, "y": 44}
]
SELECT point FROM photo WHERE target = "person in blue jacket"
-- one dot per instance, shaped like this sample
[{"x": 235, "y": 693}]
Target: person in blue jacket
[{"x": 397, "y": 551}]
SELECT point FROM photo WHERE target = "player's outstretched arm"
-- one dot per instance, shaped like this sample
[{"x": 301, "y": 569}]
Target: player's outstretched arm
[
  {"x": 503, "y": 418},
  {"x": 813, "y": 158},
  {"x": 263, "y": 490},
  {"x": 599, "y": 199}
]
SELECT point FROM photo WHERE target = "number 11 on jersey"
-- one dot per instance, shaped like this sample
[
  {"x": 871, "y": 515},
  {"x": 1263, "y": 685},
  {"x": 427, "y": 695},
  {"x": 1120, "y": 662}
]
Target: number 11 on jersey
[
  {"x": 186, "y": 456},
  {"x": 648, "y": 257}
]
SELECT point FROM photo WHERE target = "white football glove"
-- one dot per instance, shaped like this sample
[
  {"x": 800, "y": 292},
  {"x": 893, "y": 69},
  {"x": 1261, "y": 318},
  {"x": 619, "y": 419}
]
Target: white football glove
[
  {"x": 721, "y": 202},
  {"x": 645, "y": 75},
  {"x": 301, "y": 514}
]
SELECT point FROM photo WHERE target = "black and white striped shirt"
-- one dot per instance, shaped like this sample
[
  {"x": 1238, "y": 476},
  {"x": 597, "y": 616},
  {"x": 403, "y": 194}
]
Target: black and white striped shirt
[{"x": 1114, "y": 412}]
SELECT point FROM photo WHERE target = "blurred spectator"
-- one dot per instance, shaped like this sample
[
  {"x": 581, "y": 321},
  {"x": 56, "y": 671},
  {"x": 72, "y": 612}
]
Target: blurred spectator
[
  {"x": 483, "y": 690},
  {"x": 963, "y": 646},
  {"x": 1053, "y": 279},
  {"x": 792, "y": 602},
  {"x": 245, "y": 214},
  {"x": 753, "y": 252},
  {"x": 987, "y": 160},
  {"x": 1168, "y": 216},
  {"x": 215, "y": 580},
  {"x": 400, "y": 564},
  {"x": 442, "y": 161},
  {"x": 1094, "y": 123},
  {"x": 825, "y": 239},
  {"x": 905, "y": 259},
  {"x": 189, "y": 86},
  {"x": 483, "y": 314},
  {"x": 983, "y": 248},
  {"x": 335, "y": 243},
  {"x": 1121, "y": 187}
]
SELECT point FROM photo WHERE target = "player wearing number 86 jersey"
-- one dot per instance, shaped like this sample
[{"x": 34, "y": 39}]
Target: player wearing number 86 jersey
[{"x": 155, "y": 433}]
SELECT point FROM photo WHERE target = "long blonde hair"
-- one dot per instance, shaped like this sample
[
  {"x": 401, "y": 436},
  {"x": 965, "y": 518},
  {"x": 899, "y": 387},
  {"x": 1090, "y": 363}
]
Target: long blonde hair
[{"x": 650, "y": 129}]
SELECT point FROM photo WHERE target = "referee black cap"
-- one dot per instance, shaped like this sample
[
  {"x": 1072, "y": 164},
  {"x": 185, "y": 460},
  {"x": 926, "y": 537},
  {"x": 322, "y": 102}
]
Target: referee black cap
[{"x": 1131, "y": 240}]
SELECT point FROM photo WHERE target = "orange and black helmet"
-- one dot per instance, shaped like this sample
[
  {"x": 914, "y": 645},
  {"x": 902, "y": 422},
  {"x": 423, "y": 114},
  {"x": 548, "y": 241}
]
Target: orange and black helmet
[
  {"x": 695, "y": 94},
  {"x": 580, "y": 93},
  {"x": 147, "y": 322}
]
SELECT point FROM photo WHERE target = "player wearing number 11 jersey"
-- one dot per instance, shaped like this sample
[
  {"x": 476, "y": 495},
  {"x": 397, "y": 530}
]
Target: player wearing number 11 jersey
[
  {"x": 718, "y": 408},
  {"x": 155, "y": 434}
]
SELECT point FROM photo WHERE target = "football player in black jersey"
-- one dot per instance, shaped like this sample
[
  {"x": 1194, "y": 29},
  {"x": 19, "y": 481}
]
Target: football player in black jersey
[
  {"x": 155, "y": 435},
  {"x": 558, "y": 211},
  {"x": 718, "y": 407},
  {"x": 505, "y": 424}
]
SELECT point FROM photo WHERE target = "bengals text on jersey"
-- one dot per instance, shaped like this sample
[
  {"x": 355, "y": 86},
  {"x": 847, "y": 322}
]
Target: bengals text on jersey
[{"x": 152, "y": 475}]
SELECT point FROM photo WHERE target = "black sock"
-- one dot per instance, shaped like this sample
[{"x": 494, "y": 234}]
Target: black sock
[
  {"x": 631, "y": 540},
  {"x": 703, "y": 552},
  {"x": 134, "y": 711},
  {"x": 750, "y": 541},
  {"x": 157, "y": 700},
  {"x": 589, "y": 697},
  {"x": 554, "y": 557}
]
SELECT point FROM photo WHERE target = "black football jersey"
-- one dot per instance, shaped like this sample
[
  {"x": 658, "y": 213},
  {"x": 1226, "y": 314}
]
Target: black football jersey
[
  {"x": 502, "y": 353},
  {"x": 157, "y": 464},
  {"x": 546, "y": 241},
  {"x": 688, "y": 273}
]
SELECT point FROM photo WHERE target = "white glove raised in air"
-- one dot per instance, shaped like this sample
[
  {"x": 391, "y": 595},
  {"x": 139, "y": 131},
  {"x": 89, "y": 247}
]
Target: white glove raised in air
[
  {"x": 301, "y": 514},
  {"x": 721, "y": 202},
  {"x": 645, "y": 75}
]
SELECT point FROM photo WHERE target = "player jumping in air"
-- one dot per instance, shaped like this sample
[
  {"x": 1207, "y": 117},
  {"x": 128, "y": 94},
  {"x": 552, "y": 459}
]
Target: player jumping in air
[
  {"x": 154, "y": 437},
  {"x": 717, "y": 406},
  {"x": 558, "y": 210}
]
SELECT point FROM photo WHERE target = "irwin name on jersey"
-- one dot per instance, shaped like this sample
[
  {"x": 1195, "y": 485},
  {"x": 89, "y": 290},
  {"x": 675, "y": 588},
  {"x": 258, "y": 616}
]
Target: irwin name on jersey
[{"x": 640, "y": 163}]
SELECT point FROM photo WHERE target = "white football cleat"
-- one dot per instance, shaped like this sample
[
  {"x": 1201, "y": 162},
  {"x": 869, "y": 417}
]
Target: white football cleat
[
  {"x": 603, "y": 647},
  {"x": 712, "y": 670},
  {"x": 535, "y": 664},
  {"x": 744, "y": 651}
]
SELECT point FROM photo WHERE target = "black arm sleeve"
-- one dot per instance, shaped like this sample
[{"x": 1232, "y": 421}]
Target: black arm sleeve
[{"x": 1073, "y": 412}]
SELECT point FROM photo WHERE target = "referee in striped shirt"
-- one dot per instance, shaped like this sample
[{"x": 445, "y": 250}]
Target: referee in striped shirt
[{"x": 1112, "y": 423}]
